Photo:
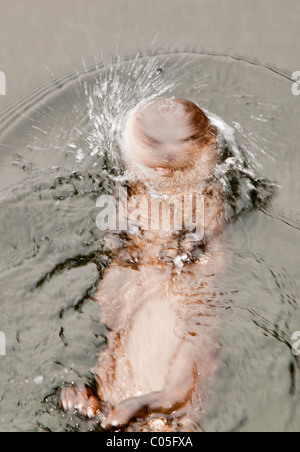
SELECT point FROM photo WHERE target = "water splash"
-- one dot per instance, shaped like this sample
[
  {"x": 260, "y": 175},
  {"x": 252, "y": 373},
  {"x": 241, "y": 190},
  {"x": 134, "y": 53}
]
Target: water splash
[{"x": 121, "y": 86}]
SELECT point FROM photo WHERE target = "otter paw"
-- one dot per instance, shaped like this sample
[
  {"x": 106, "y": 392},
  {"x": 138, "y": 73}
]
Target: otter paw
[
  {"x": 155, "y": 425},
  {"x": 80, "y": 400},
  {"x": 130, "y": 255},
  {"x": 116, "y": 419},
  {"x": 167, "y": 255},
  {"x": 121, "y": 416}
]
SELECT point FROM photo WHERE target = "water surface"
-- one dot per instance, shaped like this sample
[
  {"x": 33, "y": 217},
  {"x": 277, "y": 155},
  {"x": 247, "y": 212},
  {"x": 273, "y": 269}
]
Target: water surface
[{"x": 58, "y": 153}]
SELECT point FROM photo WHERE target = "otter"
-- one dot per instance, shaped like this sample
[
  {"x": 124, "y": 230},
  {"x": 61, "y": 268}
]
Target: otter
[{"x": 159, "y": 296}]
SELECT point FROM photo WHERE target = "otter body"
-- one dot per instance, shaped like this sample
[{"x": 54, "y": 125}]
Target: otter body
[{"x": 159, "y": 297}]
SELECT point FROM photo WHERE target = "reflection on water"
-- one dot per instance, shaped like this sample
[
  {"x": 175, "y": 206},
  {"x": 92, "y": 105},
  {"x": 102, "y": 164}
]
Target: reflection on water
[{"x": 61, "y": 155}]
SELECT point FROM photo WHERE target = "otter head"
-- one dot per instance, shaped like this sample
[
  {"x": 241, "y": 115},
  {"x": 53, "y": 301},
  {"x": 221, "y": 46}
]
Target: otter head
[{"x": 170, "y": 139}]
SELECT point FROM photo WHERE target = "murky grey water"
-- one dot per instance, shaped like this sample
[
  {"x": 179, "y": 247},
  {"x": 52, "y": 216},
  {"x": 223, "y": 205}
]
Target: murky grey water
[{"x": 58, "y": 153}]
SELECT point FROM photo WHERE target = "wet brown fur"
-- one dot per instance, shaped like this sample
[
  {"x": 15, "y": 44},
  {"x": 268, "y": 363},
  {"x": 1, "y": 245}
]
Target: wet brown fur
[{"x": 164, "y": 321}]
